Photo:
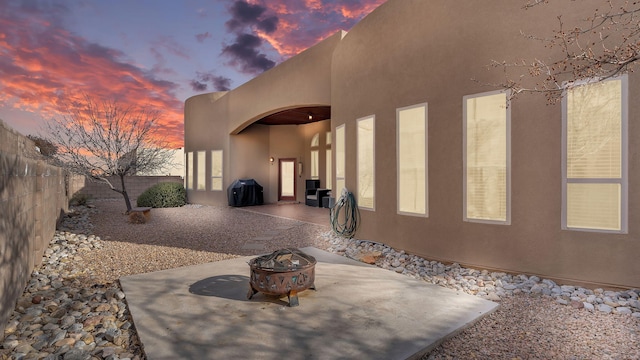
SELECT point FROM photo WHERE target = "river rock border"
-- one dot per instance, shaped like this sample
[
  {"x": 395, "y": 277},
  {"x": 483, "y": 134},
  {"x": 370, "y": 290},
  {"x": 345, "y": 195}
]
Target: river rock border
[
  {"x": 485, "y": 284},
  {"x": 63, "y": 314}
]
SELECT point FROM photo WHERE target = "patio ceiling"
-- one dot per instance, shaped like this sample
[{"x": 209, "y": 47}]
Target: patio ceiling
[{"x": 297, "y": 116}]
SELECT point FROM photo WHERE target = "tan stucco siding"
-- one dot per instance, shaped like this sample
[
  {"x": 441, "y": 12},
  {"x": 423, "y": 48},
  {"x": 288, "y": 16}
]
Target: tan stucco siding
[
  {"x": 204, "y": 129},
  {"x": 411, "y": 51},
  {"x": 304, "y": 80}
]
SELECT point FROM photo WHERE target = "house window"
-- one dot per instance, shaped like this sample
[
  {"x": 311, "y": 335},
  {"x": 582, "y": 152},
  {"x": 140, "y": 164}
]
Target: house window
[
  {"x": 412, "y": 160},
  {"x": 328, "y": 169},
  {"x": 314, "y": 164},
  {"x": 328, "y": 164},
  {"x": 190, "y": 170},
  {"x": 487, "y": 158},
  {"x": 340, "y": 160},
  {"x": 201, "y": 182},
  {"x": 315, "y": 152},
  {"x": 594, "y": 143},
  {"x": 365, "y": 162},
  {"x": 216, "y": 170}
]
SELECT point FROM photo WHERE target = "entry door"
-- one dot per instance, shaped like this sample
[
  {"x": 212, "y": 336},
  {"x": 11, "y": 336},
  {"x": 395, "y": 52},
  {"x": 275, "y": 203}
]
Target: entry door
[{"x": 286, "y": 179}]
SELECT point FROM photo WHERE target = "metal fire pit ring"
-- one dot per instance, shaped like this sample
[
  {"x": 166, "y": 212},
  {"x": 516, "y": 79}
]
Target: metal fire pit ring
[{"x": 283, "y": 272}]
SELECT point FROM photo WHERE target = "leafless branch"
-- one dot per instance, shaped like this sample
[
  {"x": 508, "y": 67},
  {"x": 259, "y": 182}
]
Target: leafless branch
[
  {"x": 102, "y": 139},
  {"x": 603, "y": 45}
]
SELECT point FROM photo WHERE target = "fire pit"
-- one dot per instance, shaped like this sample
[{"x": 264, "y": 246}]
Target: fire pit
[{"x": 283, "y": 272}]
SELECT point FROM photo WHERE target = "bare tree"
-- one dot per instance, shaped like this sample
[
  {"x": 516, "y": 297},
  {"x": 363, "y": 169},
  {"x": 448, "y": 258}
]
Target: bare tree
[
  {"x": 602, "y": 45},
  {"x": 100, "y": 139}
]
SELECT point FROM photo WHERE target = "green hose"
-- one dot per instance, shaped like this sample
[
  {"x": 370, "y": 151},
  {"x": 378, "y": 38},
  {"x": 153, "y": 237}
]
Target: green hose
[{"x": 350, "y": 215}]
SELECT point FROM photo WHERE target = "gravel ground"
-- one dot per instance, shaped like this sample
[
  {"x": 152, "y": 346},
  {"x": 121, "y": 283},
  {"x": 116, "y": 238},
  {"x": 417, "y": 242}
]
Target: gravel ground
[
  {"x": 188, "y": 235},
  {"x": 524, "y": 327},
  {"x": 528, "y": 327}
]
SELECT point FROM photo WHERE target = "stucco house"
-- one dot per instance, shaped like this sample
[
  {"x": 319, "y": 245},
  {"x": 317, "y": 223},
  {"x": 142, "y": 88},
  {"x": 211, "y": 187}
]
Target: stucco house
[{"x": 442, "y": 166}]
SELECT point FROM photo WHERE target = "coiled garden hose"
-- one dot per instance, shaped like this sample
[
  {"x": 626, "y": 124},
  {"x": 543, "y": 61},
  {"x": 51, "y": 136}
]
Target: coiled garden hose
[{"x": 344, "y": 215}]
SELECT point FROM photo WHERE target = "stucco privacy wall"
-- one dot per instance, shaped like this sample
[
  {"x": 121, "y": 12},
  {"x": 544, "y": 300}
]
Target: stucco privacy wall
[
  {"x": 413, "y": 51},
  {"x": 135, "y": 185},
  {"x": 32, "y": 196}
]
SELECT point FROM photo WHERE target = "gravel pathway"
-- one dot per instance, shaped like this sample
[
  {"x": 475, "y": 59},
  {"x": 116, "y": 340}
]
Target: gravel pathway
[
  {"x": 527, "y": 325},
  {"x": 189, "y": 235}
]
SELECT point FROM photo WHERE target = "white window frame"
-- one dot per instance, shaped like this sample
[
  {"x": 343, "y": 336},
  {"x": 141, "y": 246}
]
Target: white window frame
[
  {"x": 190, "y": 170},
  {"x": 221, "y": 177},
  {"x": 507, "y": 220},
  {"x": 373, "y": 161},
  {"x": 624, "y": 156},
  {"x": 328, "y": 161},
  {"x": 341, "y": 158},
  {"x": 426, "y": 159},
  {"x": 201, "y": 158},
  {"x": 315, "y": 156}
]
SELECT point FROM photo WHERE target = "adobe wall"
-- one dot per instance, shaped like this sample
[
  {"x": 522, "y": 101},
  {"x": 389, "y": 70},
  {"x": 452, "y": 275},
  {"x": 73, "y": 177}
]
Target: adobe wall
[
  {"x": 135, "y": 185},
  {"x": 303, "y": 80},
  {"x": 32, "y": 196},
  {"x": 247, "y": 154},
  {"x": 408, "y": 52}
]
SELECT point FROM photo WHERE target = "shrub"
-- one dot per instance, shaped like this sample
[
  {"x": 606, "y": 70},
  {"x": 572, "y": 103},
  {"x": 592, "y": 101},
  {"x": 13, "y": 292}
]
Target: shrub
[{"x": 162, "y": 195}]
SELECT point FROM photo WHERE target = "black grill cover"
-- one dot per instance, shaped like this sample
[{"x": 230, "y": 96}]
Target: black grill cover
[{"x": 245, "y": 192}]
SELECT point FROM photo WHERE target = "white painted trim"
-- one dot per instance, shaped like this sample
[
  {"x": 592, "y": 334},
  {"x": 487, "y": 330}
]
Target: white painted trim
[
  {"x": 426, "y": 159},
  {"x": 373, "y": 134},
  {"x": 623, "y": 181},
  {"x": 507, "y": 221}
]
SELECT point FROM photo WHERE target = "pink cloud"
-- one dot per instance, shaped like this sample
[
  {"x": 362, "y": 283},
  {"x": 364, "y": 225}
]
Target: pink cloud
[
  {"x": 41, "y": 69},
  {"x": 302, "y": 24}
]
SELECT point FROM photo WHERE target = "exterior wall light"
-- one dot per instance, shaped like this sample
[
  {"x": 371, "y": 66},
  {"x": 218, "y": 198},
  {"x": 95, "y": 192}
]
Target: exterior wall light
[{"x": 271, "y": 160}]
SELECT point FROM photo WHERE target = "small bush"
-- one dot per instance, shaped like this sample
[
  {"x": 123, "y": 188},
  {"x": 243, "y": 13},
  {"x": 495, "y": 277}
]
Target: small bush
[{"x": 162, "y": 195}]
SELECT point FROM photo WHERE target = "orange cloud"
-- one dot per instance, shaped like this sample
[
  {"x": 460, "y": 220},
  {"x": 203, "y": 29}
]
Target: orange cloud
[
  {"x": 44, "y": 67},
  {"x": 302, "y": 24}
]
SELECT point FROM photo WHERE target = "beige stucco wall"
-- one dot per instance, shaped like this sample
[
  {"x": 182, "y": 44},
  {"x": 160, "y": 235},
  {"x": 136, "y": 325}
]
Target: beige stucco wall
[
  {"x": 225, "y": 121},
  {"x": 303, "y": 80},
  {"x": 247, "y": 156},
  {"x": 408, "y": 52},
  {"x": 412, "y": 51}
]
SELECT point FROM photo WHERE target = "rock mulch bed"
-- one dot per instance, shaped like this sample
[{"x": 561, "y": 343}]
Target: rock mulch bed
[
  {"x": 73, "y": 306},
  {"x": 489, "y": 285},
  {"x": 63, "y": 313}
]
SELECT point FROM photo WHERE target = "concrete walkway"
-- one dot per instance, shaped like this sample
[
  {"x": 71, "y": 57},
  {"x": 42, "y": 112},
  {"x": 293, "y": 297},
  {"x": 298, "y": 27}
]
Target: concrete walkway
[{"x": 357, "y": 312}]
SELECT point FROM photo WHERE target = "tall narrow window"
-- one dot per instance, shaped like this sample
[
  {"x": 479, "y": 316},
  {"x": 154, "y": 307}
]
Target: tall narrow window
[
  {"x": 487, "y": 158},
  {"x": 328, "y": 164},
  {"x": 201, "y": 182},
  {"x": 328, "y": 169},
  {"x": 340, "y": 160},
  {"x": 366, "y": 166},
  {"x": 595, "y": 156},
  {"x": 412, "y": 160},
  {"x": 216, "y": 170},
  {"x": 315, "y": 164},
  {"x": 315, "y": 152},
  {"x": 190, "y": 171}
]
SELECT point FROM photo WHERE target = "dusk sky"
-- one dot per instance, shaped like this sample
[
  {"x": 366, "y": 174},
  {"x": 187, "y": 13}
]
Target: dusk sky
[{"x": 154, "y": 53}]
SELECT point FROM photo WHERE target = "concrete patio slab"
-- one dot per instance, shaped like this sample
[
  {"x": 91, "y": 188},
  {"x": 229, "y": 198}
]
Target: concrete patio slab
[{"x": 357, "y": 312}]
